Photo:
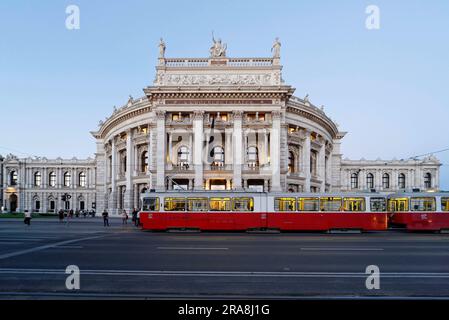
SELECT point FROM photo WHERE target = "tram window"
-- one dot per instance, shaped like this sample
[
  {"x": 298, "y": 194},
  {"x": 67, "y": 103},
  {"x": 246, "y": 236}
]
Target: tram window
[
  {"x": 445, "y": 204},
  {"x": 354, "y": 204},
  {"x": 330, "y": 204},
  {"x": 378, "y": 205},
  {"x": 422, "y": 204},
  {"x": 243, "y": 204},
  {"x": 220, "y": 204},
  {"x": 150, "y": 204},
  {"x": 175, "y": 204},
  {"x": 309, "y": 204},
  {"x": 398, "y": 204},
  {"x": 284, "y": 204},
  {"x": 197, "y": 204}
]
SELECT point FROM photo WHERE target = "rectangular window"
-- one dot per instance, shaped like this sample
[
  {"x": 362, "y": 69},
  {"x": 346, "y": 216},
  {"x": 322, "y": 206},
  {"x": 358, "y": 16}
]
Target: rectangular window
[
  {"x": 52, "y": 205},
  {"x": 398, "y": 204},
  {"x": 378, "y": 205},
  {"x": 284, "y": 204},
  {"x": 330, "y": 204},
  {"x": 243, "y": 204},
  {"x": 220, "y": 204},
  {"x": 354, "y": 204},
  {"x": 444, "y": 204},
  {"x": 197, "y": 204},
  {"x": 309, "y": 204},
  {"x": 422, "y": 204},
  {"x": 150, "y": 204},
  {"x": 175, "y": 204}
]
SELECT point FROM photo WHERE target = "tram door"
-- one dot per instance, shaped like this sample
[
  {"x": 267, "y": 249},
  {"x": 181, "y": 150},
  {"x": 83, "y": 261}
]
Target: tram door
[{"x": 398, "y": 205}]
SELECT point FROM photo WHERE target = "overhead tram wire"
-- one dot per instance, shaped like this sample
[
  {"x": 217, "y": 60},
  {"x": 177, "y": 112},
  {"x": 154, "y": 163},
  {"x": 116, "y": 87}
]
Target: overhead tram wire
[{"x": 429, "y": 153}]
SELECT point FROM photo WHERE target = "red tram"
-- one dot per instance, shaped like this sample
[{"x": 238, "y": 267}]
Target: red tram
[
  {"x": 235, "y": 211},
  {"x": 420, "y": 211}
]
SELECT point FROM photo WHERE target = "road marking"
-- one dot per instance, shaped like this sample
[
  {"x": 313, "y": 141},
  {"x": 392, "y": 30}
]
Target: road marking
[
  {"x": 68, "y": 247},
  {"x": 190, "y": 248},
  {"x": 342, "y": 249},
  {"x": 226, "y": 273},
  {"x": 9, "y": 242},
  {"x": 48, "y": 246}
]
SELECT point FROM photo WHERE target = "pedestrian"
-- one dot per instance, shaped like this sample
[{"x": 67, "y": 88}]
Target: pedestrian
[
  {"x": 124, "y": 217},
  {"x": 27, "y": 219},
  {"x": 105, "y": 218},
  {"x": 61, "y": 215},
  {"x": 71, "y": 213},
  {"x": 69, "y": 217},
  {"x": 134, "y": 219}
]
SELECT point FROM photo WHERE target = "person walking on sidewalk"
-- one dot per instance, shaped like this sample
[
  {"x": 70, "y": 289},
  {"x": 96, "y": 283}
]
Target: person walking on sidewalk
[
  {"x": 27, "y": 219},
  {"x": 124, "y": 217},
  {"x": 105, "y": 218}
]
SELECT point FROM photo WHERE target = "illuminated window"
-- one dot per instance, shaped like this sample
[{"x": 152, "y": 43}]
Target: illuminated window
[
  {"x": 220, "y": 204},
  {"x": 37, "y": 179},
  {"x": 398, "y": 204},
  {"x": 144, "y": 162},
  {"x": 309, "y": 204},
  {"x": 150, "y": 204},
  {"x": 175, "y": 204},
  {"x": 13, "y": 178},
  {"x": 197, "y": 204},
  {"x": 386, "y": 181},
  {"x": 370, "y": 181},
  {"x": 378, "y": 204},
  {"x": 67, "y": 179},
  {"x": 243, "y": 204},
  {"x": 354, "y": 204},
  {"x": 354, "y": 181},
  {"x": 401, "y": 181},
  {"x": 422, "y": 204},
  {"x": 330, "y": 204},
  {"x": 445, "y": 204},
  {"x": 52, "y": 179},
  {"x": 284, "y": 204},
  {"x": 428, "y": 181},
  {"x": 82, "y": 179}
]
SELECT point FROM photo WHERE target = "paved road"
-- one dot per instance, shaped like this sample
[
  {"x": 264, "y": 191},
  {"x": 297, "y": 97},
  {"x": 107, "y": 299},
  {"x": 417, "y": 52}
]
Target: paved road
[{"x": 127, "y": 262}]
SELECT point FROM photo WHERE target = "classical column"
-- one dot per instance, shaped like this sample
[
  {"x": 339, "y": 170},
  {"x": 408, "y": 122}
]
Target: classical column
[
  {"x": 237, "y": 150},
  {"x": 160, "y": 150},
  {"x": 129, "y": 199},
  {"x": 275, "y": 151},
  {"x": 306, "y": 160},
  {"x": 198, "y": 149},
  {"x": 170, "y": 149},
  {"x": 113, "y": 199},
  {"x": 322, "y": 165}
]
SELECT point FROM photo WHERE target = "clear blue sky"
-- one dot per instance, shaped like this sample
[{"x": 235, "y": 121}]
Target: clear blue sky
[{"x": 388, "y": 88}]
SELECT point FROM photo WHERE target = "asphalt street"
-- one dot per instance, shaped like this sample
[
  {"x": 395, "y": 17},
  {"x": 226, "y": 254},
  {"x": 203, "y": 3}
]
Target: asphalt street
[{"x": 126, "y": 262}]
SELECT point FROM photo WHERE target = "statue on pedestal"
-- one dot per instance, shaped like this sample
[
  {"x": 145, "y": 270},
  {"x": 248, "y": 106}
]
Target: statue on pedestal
[
  {"x": 218, "y": 49},
  {"x": 276, "y": 49},
  {"x": 162, "y": 49}
]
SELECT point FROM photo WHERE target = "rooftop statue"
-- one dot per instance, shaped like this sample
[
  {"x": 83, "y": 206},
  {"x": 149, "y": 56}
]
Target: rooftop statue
[
  {"x": 218, "y": 49},
  {"x": 161, "y": 49},
  {"x": 276, "y": 49}
]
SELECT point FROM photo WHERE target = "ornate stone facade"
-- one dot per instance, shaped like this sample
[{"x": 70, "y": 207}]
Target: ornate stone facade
[{"x": 214, "y": 123}]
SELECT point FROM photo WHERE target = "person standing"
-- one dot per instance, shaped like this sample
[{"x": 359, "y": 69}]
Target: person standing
[
  {"x": 124, "y": 217},
  {"x": 105, "y": 218},
  {"x": 61, "y": 215},
  {"x": 134, "y": 219},
  {"x": 27, "y": 219}
]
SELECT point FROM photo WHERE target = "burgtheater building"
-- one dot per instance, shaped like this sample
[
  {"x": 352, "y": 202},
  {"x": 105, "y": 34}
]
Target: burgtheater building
[{"x": 215, "y": 123}]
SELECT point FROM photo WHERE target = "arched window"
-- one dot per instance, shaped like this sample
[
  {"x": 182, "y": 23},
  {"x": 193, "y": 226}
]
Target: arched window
[
  {"x": 370, "y": 181},
  {"x": 183, "y": 155},
  {"x": 354, "y": 181},
  {"x": 386, "y": 181},
  {"x": 291, "y": 162},
  {"x": 428, "y": 180},
  {"x": 67, "y": 179},
  {"x": 144, "y": 162},
  {"x": 52, "y": 179},
  {"x": 82, "y": 179},
  {"x": 37, "y": 179},
  {"x": 401, "y": 181},
  {"x": 13, "y": 178},
  {"x": 218, "y": 156},
  {"x": 253, "y": 156}
]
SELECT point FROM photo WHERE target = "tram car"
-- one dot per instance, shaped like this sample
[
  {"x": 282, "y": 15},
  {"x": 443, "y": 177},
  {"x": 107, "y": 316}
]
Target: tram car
[
  {"x": 420, "y": 211},
  {"x": 243, "y": 211}
]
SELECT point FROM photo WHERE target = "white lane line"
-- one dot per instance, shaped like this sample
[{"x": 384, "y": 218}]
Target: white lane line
[
  {"x": 227, "y": 273},
  {"x": 190, "y": 248},
  {"x": 342, "y": 249},
  {"x": 48, "y": 246}
]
